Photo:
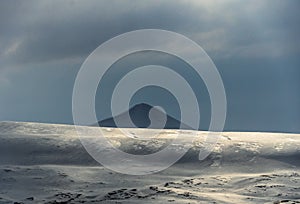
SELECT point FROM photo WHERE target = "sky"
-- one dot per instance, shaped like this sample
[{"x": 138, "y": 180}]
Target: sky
[{"x": 255, "y": 46}]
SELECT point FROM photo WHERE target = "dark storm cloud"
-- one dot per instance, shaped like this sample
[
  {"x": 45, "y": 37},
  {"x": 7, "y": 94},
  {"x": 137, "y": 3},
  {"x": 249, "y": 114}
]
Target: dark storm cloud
[
  {"x": 44, "y": 31},
  {"x": 51, "y": 30}
]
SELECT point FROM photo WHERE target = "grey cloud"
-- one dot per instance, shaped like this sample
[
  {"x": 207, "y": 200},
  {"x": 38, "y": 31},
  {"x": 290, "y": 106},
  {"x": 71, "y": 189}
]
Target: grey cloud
[
  {"x": 46, "y": 30},
  {"x": 65, "y": 30}
]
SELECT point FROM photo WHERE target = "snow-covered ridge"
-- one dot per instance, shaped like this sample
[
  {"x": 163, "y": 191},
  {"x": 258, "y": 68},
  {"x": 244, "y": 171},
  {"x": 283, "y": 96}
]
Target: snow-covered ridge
[
  {"x": 35, "y": 143},
  {"x": 46, "y": 163}
]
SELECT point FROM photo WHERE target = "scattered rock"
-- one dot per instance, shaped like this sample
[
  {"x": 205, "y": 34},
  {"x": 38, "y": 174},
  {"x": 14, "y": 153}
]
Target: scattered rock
[{"x": 30, "y": 198}]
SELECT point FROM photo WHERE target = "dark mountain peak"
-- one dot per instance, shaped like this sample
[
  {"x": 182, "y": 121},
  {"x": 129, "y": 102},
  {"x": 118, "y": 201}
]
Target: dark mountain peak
[
  {"x": 139, "y": 115},
  {"x": 141, "y": 107},
  {"x": 142, "y": 111}
]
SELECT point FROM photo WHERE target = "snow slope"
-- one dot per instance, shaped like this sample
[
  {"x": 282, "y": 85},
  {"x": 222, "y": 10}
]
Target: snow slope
[{"x": 46, "y": 163}]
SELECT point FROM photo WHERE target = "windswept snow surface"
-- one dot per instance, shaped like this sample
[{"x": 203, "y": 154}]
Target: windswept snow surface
[{"x": 46, "y": 163}]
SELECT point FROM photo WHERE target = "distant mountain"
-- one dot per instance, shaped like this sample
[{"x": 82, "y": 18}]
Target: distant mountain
[{"x": 139, "y": 115}]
